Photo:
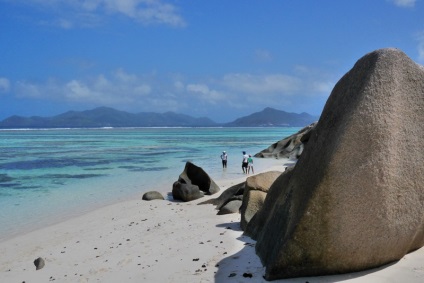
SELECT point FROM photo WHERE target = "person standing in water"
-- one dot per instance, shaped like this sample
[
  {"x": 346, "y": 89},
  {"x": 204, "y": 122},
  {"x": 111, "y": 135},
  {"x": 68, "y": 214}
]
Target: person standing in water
[
  {"x": 250, "y": 165},
  {"x": 224, "y": 158},
  {"x": 244, "y": 162}
]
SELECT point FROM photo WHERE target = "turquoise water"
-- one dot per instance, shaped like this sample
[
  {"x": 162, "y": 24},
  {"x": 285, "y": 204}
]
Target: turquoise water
[{"x": 49, "y": 175}]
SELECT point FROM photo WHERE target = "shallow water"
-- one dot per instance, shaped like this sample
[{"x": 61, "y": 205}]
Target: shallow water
[{"x": 49, "y": 175}]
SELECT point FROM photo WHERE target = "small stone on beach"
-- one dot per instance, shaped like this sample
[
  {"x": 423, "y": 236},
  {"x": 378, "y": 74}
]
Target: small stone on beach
[{"x": 39, "y": 263}]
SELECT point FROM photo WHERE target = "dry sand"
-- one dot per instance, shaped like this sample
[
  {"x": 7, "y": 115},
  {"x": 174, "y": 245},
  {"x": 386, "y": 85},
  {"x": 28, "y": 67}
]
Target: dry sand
[{"x": 159, "y": 241}]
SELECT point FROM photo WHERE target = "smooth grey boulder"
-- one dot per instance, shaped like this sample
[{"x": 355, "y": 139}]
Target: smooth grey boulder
[
  {"x": 355, "y": 199},
  {"x": 186, "y": 192},
  {"x": 254, "y": 227},
  {"x": 233, "y": 206},
  {"x": 231, "y": 192},
  {"x": 153, "y": 195},
  {"x": 255, "y": 192},
  {"x": 195, "y": 175}
]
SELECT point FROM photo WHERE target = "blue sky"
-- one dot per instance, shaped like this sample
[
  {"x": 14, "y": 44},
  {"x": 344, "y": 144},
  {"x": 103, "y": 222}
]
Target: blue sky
[{"x": 219, "y": 59}]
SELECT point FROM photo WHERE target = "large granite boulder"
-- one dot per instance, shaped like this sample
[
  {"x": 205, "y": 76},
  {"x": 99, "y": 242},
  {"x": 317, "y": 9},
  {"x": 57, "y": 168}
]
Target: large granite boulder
[
  {"x": 195, "y": 175},
  {"x": 355, "y": 199},
  {"x": 255, "y": 191},
  {"x": 290, "y": 147},
  {"x": 186, "y": 192}
]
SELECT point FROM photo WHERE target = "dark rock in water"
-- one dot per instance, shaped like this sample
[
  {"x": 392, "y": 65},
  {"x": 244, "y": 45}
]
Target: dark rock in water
[
  {"x": 39, "y": 263},
  {"x": 226, "y": 195},
  {"x": 152, "y": 195},
  {"x": 186, "y": 192},
  {"x": 232, "y": 206},
  {"x": 195, "y": 175},
  {"x": 290, "y": 147},
  {"x": 354, "y": 200},
  {"x": 255, "y": 192}
]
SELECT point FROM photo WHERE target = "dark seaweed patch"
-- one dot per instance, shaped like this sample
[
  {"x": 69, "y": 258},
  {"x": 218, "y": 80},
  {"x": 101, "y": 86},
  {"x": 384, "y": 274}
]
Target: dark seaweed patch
[
  {"x": 26, "y": 187},
  {"x": 50, "y": 163},
  {"x": 18, "y": 186},
  {"x": 129, "y": 167},
  {"x": 71, "y": 176},
  {"x": 4, "y": 178},
  {"x": 9, "y": 185},
  {"x": 159, "y": 153},
  {"x": 134, "y": 168},
  {"x": 148, "y": 169},
  {"x": 98, "y": 169}
]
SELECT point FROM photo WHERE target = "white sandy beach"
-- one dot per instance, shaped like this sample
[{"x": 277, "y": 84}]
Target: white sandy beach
[{"x": 159, "y": 241}]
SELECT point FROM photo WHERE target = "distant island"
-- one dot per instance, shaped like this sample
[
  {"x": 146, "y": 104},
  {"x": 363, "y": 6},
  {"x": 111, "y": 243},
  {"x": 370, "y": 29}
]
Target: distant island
[{"x": 109, "y": 117}]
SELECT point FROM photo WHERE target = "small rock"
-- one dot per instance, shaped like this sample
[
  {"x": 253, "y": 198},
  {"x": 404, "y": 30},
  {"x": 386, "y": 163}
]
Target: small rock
[
  {"x": 39, "y": 263},
  {"x": 153, "y": 195}
]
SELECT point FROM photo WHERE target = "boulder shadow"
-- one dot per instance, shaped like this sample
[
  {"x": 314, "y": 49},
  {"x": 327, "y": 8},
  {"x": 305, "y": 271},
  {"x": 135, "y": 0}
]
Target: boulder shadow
[
  {"x": 245, "y": 265},
  {"x": 235, "y": 226}
]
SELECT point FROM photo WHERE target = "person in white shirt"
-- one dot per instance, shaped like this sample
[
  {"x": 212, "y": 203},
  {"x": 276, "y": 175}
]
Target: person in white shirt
[
  {"x": 245, "y": 162},
  {"x": 224, "y": 158}
]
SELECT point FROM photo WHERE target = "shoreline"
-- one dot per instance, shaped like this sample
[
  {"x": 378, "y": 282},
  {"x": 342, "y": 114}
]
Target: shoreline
[
  {"x": 165, "y": 188},
  {"x": 159, "y": 241}
]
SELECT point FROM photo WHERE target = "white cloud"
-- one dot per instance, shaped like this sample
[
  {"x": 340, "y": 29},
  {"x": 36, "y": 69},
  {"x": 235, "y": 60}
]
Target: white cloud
[
  {"x": 117, "y": 89},
  {"x": 204, "y": 93},
  {"x": 65, "y": 24},
  {"x": 322, "y": 87},
  {"x": 263, "y": 55},
  {"x": 159, "y": 93},
  {"x": 404, "y": 3},
  {"x": 122, "y": 76},
  {"x": 88, "y": 13},
  {"x": 4, "y": 85},
  {"x": 270, "y": 83},
  {"x": 78, "y": 91},
  {"x": 420, "y": 47}
]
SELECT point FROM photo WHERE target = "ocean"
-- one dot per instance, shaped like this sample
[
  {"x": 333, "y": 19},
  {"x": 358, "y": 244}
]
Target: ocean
[{"x": 53, "y": 174}]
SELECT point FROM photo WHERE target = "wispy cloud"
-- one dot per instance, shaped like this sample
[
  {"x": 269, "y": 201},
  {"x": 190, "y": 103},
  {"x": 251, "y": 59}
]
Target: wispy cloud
[
  {"x": 203, "y": 92},
  {"x": 119, "y": 88},
  {"x": 263, "y": 55},
  {"x": 159, "y": 92},
  {"x": 404, "y": 3},
  {"x": 420, "y": 47},
  {"x": 4, "y": 85},
  {"x": 69, "y": 13},
  {"x": 258, "y": 84}
]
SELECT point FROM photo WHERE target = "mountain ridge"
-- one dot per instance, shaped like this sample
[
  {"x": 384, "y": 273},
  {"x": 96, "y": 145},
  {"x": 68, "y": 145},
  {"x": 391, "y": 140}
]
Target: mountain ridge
[
  {"x": 270, "y": 117},
  {"x": 110, "y": 117}
]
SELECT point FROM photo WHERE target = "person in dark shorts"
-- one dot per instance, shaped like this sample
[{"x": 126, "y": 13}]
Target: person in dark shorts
[
  {"x": 224, "y": 158},
  {"x": 244, "y": 162}
]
